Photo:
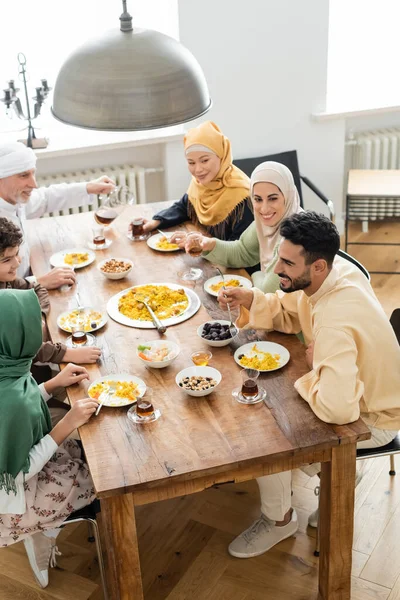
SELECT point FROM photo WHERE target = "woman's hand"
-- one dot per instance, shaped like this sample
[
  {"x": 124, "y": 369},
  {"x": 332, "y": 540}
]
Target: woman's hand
[
  {"x": 68, "y": 376},
  {"x": 82, "y": 356},
  {"x": 178, "y": 237},
  {"x": 207, "y": 244},
  {"x": 235, "y": 297},
  {"x": 79, "y": 414}
]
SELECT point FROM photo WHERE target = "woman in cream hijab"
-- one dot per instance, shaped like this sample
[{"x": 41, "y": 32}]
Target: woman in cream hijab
[
  {"x": 218, "y": 194},
  {"x": 274, "y": 197}
]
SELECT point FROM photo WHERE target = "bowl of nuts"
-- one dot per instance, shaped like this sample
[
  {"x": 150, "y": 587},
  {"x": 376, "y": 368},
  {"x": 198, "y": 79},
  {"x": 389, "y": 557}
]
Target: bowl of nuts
[
  {"x": 115, "y": 268},
  {"x": 198, "y": 381},
  {"x": 216, "y": 333}
]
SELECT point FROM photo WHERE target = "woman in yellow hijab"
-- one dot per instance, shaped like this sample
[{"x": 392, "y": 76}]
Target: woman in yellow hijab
[{"x": 218, "y": 195}]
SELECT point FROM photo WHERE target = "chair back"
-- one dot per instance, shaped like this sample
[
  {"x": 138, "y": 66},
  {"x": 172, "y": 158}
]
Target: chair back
[
  {"x": 395, "y": 322},
  {"x": 355, "y": 262},
  {"x": 289, "y": 159}
]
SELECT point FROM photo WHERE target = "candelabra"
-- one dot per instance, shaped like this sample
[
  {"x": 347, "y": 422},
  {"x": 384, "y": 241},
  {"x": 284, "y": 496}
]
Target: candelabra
[{"x": 12, "y": 101}]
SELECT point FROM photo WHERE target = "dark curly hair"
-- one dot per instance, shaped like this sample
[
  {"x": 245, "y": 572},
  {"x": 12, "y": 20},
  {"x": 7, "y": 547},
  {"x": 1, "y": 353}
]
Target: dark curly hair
[
  {"x": 315, "y": 232},
  {"x": 10, "y": 235}
]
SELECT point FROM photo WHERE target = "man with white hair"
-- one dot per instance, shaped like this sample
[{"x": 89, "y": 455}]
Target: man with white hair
[{"x": 21, "y": 199}]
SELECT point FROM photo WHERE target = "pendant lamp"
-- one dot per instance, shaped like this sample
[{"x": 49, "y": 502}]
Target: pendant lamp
[{"x": 130, "y": 79}]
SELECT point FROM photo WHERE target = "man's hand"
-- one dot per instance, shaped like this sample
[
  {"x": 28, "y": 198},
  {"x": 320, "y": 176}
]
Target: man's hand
[
  {"x": 310, "y": 355},
  {"x": 102, "y": 185},
  {"x": 68, "y": 376},
  {"x": 81, "y": 356},
  {"x": 235, "y": 297},
  {"x": 57, "y": 277}
]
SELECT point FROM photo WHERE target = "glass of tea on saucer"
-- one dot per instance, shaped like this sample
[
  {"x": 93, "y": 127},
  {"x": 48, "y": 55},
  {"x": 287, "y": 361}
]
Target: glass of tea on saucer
[
  {"x": 79, "y": 337},
  {"x": 250, "y": 392},
  {"x": 144, "y": 411},
  {"x": 99, "y": 240}
]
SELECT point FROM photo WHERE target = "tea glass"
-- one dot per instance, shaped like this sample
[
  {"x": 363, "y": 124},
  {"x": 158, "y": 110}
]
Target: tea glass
[
  {"x": 143, "y": 411},
  {"x": 250, "y": 392}
]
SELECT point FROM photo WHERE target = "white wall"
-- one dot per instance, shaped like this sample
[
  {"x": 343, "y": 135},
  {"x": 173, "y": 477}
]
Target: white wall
[{"x": 266, "y": 63}]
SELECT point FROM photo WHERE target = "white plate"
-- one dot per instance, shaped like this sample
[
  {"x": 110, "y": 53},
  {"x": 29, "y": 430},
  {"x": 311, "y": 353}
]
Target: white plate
[
  {"x": 120, "y": 377},
  {"x": 270, "y": 347},
  {"x": 193, "y": 307},
  {"x": 57, "y": 259},
  {"x": 153, "y": 241},
  {"x": 244, "y": 283},
  {"x": 66, "y": 327}
]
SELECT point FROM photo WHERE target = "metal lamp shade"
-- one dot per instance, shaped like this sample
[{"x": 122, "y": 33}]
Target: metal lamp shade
[{"x": 135, "y": 80}]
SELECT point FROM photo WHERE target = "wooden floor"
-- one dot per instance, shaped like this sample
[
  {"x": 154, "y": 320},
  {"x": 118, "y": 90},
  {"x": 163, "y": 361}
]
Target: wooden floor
[{"x": 183, "y": 542}]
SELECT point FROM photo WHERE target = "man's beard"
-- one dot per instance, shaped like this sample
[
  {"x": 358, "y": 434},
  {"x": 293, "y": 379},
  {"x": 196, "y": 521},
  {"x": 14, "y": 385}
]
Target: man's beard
[{"x": 300, "y": 283}]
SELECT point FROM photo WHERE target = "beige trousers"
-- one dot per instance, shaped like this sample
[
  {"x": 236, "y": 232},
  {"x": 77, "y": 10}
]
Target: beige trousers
[{"x": 276, "y": 490}]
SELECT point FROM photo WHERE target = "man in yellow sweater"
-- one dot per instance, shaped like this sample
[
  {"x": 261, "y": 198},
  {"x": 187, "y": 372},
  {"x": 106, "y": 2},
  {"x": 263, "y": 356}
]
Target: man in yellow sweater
[{"x": 346, "y": 332}]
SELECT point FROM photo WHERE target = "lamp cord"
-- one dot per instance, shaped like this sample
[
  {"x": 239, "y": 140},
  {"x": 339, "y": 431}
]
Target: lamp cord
[{"x": 125, "y": 19}]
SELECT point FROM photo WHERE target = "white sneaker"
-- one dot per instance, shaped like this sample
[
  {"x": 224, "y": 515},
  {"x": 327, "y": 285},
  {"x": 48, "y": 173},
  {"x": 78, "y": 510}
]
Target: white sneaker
[
  {"x": 261, "y": 536},
  {"x": 42, "y": 552}
]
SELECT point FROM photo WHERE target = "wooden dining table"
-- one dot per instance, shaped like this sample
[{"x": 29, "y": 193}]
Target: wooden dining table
[{"x": 197, "y": 442}]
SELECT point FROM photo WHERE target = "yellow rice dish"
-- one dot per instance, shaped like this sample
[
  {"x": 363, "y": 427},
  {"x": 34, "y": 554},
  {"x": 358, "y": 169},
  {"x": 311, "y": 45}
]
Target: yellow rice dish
[
  {"x": 126, "y": 390},
  {"x": 230, "y": 283},
  {"x": 89, "y": 319},
  {"x": 164, "y": 301},
  {"x": 262, "y": 361},
  {"x": 76, "y": 258},
  {"x": 164, "y": 244}
]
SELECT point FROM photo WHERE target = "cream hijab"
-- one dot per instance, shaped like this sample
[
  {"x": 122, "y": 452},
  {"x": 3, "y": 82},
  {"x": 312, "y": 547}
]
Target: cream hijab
[{"x": 279, "y": 175}]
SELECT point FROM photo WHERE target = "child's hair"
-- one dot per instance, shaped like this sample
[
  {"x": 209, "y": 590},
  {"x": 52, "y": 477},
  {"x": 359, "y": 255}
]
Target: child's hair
[{"x": 10, "y": 235}]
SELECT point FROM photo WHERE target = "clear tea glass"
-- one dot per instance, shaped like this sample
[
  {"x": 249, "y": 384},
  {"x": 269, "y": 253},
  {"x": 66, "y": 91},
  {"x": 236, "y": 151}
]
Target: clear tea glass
[{"x": 250, "y": 391}]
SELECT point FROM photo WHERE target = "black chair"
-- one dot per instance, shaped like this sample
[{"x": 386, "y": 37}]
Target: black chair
[
  {"x": 289, "y": 159},
  {"x": 355, "y": 262}
]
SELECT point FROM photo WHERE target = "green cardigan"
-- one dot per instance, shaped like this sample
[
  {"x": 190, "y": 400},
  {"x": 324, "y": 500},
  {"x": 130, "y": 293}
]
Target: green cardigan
[{"x": 245, "y": 252}]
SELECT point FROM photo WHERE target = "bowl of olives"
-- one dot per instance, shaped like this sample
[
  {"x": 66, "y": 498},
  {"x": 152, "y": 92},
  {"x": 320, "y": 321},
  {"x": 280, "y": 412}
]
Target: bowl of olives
[{"x": 216, "y": 333}]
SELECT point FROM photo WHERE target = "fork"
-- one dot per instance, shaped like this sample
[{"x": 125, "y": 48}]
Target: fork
[
  {"x": 112, "y": 388},
  {"x": 232, "y": 326}
]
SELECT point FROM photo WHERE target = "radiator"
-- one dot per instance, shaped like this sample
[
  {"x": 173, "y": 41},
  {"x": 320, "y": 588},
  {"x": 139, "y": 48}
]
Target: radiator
[
  {"x": 379, "y": 149},
  {"x": 131, "y": 176}
]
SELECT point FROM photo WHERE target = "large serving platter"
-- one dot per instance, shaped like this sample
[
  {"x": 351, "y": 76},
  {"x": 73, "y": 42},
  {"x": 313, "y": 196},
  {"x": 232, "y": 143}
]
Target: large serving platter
[{"x": 192, "y": 308}]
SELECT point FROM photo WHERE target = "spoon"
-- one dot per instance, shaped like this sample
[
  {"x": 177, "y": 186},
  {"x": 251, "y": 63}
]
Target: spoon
[
  {"x": 112, "y": 388},
  {"x": 158, "y": 325}
]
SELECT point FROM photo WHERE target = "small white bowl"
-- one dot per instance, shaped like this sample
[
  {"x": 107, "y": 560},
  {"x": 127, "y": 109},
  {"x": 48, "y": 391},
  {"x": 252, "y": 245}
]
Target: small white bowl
[
  {"x": 216, "y": 343},
  {"x": 159, "y": 364},
  {"x": 204, "y": 372},
  {"x": 115, "y": 275}
]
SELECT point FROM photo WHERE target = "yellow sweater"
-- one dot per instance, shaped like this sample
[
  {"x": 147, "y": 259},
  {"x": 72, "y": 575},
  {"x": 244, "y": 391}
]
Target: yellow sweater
[{"x": 356, "y": 365}]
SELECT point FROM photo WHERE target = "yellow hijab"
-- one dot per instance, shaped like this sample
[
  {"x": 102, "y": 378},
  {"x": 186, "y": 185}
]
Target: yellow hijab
[{"x": 214, "y": 201}]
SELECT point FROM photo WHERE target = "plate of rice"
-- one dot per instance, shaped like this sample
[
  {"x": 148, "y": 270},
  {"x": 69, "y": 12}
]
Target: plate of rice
[
  {"x": 171, "y": 303},
  {"x": 263, "y": 356},
  {"x": 128, "y": 388},
  {"x": 91, "y": 319},
  {"x": 161, "y": 243},
  {"x": 74, "y": 257},
  {"x": 214, "y": 284}
]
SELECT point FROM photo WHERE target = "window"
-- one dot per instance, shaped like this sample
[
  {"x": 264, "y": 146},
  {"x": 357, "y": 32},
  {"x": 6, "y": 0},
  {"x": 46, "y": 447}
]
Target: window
[
  {"x": 363, "y": 55},
  {"x": 47, "y": 31}
]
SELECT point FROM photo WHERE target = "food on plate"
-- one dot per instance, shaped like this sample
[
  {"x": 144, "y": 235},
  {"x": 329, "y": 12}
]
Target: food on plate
[
  {"x": 230, "y": 283},
  {"x": 128, "y": 390},
  {"x": 216, "y": 332},
  {"x": 164, "y": 301},
  {"x": 156, "y": 354},
  {"x": 90, "y": 319},
  {"x": 115, "y": 266},
  {"x": 197, "y": 383},
  {"x": 260, "y": 360},
  {"x": 76, "y": 258},
  {"x": 164, "y": 244}
]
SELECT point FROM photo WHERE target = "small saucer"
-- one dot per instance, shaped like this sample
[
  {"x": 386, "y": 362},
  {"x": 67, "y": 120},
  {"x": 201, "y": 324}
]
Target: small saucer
[
  {"x": 262, "y": 394},
  {"x": 90, "y": 342},
  {"x": 104, "y": 246},
  {"x": 133, "y": 416},
  {"x": 138, "y": 238}
]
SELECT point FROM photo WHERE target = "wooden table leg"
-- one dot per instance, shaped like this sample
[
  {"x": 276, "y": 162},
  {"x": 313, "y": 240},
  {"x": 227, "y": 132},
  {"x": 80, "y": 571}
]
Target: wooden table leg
[
  {"x": 336, "y": 523},
  {"x": 124, "y": 579}
]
